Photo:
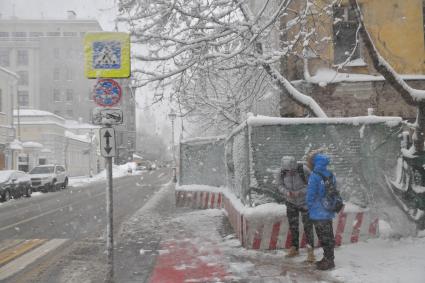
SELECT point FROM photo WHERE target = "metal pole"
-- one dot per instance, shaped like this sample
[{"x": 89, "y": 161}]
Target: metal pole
[
  {"x": 174, "y": 153},
  {"x": 109, "y": 226}
]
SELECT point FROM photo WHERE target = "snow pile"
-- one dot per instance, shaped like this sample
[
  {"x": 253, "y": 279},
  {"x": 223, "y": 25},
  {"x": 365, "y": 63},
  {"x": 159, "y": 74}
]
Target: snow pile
[
  {"x": 361, "y": 120},
  {"x": 325, "y": 76},
  {"x": 381, "y": 260},
  {"x": 117, "y": 171}
]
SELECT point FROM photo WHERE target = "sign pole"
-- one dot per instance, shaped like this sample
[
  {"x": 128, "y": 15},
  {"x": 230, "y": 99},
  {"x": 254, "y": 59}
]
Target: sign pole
[{"x": 110, "y": 223}]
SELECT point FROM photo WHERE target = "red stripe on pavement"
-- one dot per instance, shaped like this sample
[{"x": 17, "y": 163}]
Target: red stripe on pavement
[
  {"x": 219, "y": 200},
  {"x": 257, "y": 238},
  {"x": 274, "y": 236},
  {"x": 340, "y": 227},
  {"x": 373, "y": 228},
  {"x": 356, "y": 228},
  {"x": 184, "y": 262},
  {"x": 212, "y": 200}
]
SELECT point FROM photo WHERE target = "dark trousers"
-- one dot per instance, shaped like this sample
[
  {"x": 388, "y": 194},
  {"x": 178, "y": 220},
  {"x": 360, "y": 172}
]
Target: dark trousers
[
  {"x": 293, "y": 214},
  {"x": 325, "y": 233}
]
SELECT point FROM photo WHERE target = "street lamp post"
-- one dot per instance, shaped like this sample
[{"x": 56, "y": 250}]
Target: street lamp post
[{"x": 172, "y": 115}]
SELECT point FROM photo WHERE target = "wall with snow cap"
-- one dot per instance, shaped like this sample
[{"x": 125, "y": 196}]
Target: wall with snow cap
[
  {"x": 361, "y": 149},
  {"x": 202, "y": 161}
]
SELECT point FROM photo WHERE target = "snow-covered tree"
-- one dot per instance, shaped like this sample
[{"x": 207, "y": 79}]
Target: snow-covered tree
[{"x": 204, "y": 45}]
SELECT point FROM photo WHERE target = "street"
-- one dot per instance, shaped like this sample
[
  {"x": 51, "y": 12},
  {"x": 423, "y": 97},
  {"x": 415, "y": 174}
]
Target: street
[{"x": 70, "y": 222}]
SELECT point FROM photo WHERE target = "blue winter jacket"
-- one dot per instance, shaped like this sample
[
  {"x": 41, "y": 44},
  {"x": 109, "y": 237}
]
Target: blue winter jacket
[{"x": 316, "y": 189}]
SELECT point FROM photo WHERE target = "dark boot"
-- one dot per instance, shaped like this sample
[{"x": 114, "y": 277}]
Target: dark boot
[{"x": 325, "y": 264}]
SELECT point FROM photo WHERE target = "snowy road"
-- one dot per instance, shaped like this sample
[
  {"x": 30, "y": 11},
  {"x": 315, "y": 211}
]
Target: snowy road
[{"x": 39, "y": 234}]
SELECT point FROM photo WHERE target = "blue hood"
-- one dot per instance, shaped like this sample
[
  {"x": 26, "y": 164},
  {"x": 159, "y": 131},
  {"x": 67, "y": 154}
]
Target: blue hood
[{"x": 320, "y": 162}]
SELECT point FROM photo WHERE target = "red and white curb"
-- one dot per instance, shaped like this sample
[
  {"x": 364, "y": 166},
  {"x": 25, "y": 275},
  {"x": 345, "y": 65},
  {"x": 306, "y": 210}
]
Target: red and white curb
[
  {"x": 272, "y": 232},
  {"x": 199, "y": 199}
]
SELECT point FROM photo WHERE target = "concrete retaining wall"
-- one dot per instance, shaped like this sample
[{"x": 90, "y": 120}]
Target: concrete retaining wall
[{"x": 266, "y": 227}]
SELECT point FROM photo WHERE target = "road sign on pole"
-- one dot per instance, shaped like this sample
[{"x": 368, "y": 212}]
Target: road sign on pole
[
  {"x": 107, "y": 93},
  {"x": 107, "y": 55},
  {"x": 107, "y": 142},
  {"x": 107, "y": 116}
]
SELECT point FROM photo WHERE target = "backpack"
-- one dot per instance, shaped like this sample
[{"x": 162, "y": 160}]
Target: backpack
[
  {"x": 300, "y": 171},
  {"x": 332, "y": 200}
]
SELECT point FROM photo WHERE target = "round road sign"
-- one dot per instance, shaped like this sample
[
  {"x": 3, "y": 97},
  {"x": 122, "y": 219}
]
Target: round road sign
[{"x": 107, "y": 93}]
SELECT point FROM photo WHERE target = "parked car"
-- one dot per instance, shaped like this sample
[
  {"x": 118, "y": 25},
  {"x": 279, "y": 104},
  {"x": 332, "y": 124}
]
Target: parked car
[
  {"x": 14, "y": 184},
  {"x": 144, "y": 165},
  {"x": 48, "y": 178}
]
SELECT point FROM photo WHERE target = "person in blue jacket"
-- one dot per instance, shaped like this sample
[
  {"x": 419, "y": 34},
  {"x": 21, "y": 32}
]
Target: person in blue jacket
[{"x": 321, "y": 218}]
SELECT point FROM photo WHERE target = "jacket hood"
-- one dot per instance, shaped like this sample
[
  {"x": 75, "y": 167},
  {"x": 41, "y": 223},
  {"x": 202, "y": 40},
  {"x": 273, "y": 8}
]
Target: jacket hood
[
  {"x": 288, "y": 163},
  {"x": 320, "y": 162}
]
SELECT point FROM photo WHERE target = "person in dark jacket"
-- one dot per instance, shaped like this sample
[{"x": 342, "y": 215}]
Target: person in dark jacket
[
  {"x": 321, "y": 218},
  {"x": 292, "y": 185}
]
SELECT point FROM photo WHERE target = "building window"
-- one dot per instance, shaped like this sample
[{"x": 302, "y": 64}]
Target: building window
[
  {"x": 4, "y": 34},
  {"x": 69, "y": 95},
  {"x": 57, "y": 112},
  {"x": 22, "y": 58},
  {"x": 344, "y": 34},
  {"x": 56, "y": 95},
  {"x": 36, "y": 34},
  {"x": 19, "y": 34},
  {"x": 69, "y": 74},
  {"x": 23, "y": 78},
  {"x": 56, "y": 74},
  {"x": 23, "y": 98},
  {"x": 69, "y": 113},
  {"x": 4, "y": 57},
  {"x": 53, "y": 33},
  {"x": 69, "y": 33},
  {"x": 42, "y": 161},
  {"x": 56, "y": 53}
]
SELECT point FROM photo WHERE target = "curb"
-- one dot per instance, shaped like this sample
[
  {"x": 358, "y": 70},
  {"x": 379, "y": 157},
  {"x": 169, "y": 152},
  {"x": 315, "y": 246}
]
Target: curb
[{"x": 258, "y": 231}]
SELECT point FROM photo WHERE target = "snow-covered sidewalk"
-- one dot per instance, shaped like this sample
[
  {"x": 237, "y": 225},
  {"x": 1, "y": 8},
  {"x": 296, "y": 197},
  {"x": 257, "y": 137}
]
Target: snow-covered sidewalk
[{"x": 378, "y": 260}]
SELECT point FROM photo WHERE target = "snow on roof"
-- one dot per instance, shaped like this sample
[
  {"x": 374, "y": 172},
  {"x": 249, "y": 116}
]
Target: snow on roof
[
  {"x": 203, "y": 139},
  {"x": 34, "y": 112},
  {"x": 137, "y": 156},
  {"x": 267, "y": 121},
  {"x": 31, "y": 144},
  {"x": 16, "y": 145},
  {"x": 73, "y": 124},
  {"x": 82, "y": 138},
  {"x": 9, "y": 72},
  {"x": 324, "y": 76}
]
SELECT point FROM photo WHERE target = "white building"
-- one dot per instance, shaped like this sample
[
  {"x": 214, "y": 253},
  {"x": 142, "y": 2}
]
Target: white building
[
  {"x": 48, "y": 138},
  {"x": 8, "y": 83}
]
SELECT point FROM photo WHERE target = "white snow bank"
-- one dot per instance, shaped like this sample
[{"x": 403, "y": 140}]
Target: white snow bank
[
  {"x": 117, "y": 171},
  {"x": 324, "y": 76},
  {"x": 267, "y": 209},
  {"x": 267, "y": 121},
  {"x": 381, "y": 260},
  {"x": 203, "y": 139}
]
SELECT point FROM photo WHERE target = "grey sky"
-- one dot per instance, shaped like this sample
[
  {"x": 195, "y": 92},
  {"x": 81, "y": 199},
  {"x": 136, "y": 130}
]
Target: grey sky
[{"x": 102, "y": 10}]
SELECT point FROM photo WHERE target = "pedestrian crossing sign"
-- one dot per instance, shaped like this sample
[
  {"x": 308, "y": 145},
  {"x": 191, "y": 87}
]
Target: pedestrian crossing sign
[{"x": 107, "y": 55}]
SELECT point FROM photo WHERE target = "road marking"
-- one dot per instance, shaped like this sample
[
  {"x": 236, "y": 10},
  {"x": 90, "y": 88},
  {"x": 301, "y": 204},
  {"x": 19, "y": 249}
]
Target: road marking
[
  {"x": 28, "y": 258},
  {"x": 6, "y": 244},
  {"x": 16, "y": 251},
  {"x": 43, "y": 214}
]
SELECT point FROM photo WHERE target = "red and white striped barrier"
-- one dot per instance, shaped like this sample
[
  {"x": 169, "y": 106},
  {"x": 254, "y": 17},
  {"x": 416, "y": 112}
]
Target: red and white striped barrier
[
  {"x": 269, "y": 234},
  {"x": 259, "y": 230},
  {"x": 199, "y": 199}
]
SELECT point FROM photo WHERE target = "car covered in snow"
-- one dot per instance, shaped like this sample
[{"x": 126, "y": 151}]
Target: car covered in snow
[
  {"x": 14, "y": 184},
  {"x": 48, "y": 178}
]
